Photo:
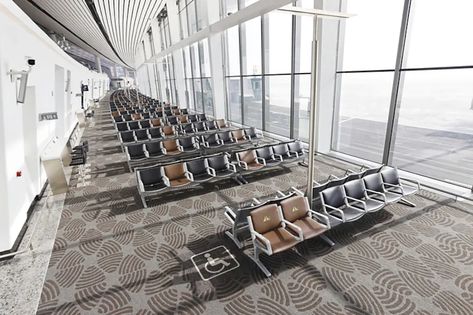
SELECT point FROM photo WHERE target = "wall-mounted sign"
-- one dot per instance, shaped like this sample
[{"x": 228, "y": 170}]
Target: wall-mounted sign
[{"x": 48, "y": 116}]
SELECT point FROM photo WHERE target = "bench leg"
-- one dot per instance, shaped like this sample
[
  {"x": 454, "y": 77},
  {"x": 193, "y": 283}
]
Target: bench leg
[
  {"x": 235, "y": 239},
  {"x": 407, "y": 202},
  {"x": 259, "y": 263},
  {"x": 143, "y": 200},
  {"x": 327, "y": 240}
]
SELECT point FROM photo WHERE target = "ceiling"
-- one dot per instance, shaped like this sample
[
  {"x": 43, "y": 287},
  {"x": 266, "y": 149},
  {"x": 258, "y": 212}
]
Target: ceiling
[{"x": 110, "y": 28}]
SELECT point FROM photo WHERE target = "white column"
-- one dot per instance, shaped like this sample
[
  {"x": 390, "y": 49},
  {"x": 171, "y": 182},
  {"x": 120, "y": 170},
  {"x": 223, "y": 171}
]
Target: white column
[{"x": 98, "y": 63}]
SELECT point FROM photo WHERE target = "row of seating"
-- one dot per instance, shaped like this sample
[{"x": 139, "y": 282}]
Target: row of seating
[
  {"x": 138, "y": 114},
  {"x": 140, "y": 152},
  {"x": 155, "y": 179},
  {"x": 246, "y": 161},
  {"x": 347, "y": 199},
  {"x": 282, "y": 221},
  {"x": 276, "y": 225},
  {"x": 159, "y": 121},
  {"x": 213, "y": 137},
  {"x": 192, "y": 127}
]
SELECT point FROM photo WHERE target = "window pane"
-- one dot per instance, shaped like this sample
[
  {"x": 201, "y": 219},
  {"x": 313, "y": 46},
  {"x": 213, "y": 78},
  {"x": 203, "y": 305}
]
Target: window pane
[
  {"x": 195, "y": 60},
  {"x": 202, "y": 16},
  {"x": 278, "y": 95},
  {"x": 191, "y": 16},
  {"x": 234, "y": 99},
  {"x": 251, "y": 46},
  {"x": 303, "y": 42},
  {"x": 230, "y": 6},
  {"x": 208, "y": 96},
  {"x": 301, "y": 107},
  {"x": 233, "y": 51},
  {"x": 205, "y": 58},
  {"x": 363, "y": 112},
  {"x": 187, "y": 62},
  {"x": 183, "y": 21},
  {"x": 278, "y": 45},
  {"x": 252, "y": 101},
  {"x": 434, "y": 136},
  {"x": 437, "y": 32},
  {"x": 198, "y": 95},
  {"x": 371, "y": 38},
  {"x": 190, "y": 93}
]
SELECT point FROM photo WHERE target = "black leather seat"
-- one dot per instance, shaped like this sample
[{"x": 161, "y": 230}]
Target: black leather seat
[
  {"x": 220, "y": 166},
  {"x": 212, "y": 141},
  {"x": 127, "y": 136},
  {"x": 267, "y": 154},
  {"x": 188, "y": 144},
  {"x": 141, "y": 135},
  {"x": 155, "y": 133},
  {"x": 199, "y": 168},
  {"x": 153, "y": 149}
]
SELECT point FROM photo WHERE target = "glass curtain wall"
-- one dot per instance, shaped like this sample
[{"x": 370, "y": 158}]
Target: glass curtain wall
[
  {"x": 268, "y": 63},
  {"x": 416, "y": 113},
  {"x": 196, "y": 57}
]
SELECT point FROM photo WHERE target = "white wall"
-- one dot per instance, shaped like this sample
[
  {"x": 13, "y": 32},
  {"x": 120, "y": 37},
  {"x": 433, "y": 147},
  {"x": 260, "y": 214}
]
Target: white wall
[{"x": 22, "y": 136}]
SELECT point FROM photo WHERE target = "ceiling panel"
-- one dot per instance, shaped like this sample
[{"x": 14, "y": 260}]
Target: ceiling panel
[{"x": 111, "y": 28}]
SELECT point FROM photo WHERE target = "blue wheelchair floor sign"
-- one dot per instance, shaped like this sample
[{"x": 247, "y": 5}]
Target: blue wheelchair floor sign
[{"x": 214, "y": 262}]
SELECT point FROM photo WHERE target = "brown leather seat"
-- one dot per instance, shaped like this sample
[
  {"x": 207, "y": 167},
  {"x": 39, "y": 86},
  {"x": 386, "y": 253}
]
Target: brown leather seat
[
  {"x": 184, "y": 119},
  {"x": 171, "y": 147},
  {"x": 221, "y": 123},
  {"x": 176, "y": 111},
  {"x": 115, "y": 114},
  {"x": 239, "y": 135},
  {"x": 176, "y": 173},
  {"x": 155, "y": 122},
  {"x": 168, "y": 131},
  {"x": 136, "y": 117},
  {"x": 267, "y": 221},
  {"x": 296, "y": 210},
  {"x": 251, "y": 160}
]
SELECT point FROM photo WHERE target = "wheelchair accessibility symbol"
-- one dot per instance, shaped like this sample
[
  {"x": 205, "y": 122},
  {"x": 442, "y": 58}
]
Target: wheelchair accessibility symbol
[{"x": 214, "y": 262}]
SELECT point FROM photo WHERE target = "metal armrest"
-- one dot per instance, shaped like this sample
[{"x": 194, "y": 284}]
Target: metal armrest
[
  {"x": 336, "y": 209},
  {"x": 357, "y": 200},
  {"x": 146, "y": 153},
  {"x": 321, "y": 216},
  {"x": 395, "y": 186},
  {"x": 166, "y": 181},
  {"x": 233, "y": 167},
  {"x": 376, "y": 193},
  {"x": 230, "y": 214},
  {"x": 220, "y": 142},
  {"x": 189, "y": 176},
  {"x": 263, "y": 239},
  {"x": 296, "y": 153},
  {"x": 261, "y": 161},
  {"x": 180, "y": 148},
  {"x": 294, "y": 228},
  {"x": 279, "y": 156},
  {"x": 141, "y": 186},
  {"x": 211, "y": 171},
  {"x": 243, "y": 165}
]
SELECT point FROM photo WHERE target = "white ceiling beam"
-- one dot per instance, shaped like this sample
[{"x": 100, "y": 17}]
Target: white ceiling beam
[{"x": 257, "y": 9}]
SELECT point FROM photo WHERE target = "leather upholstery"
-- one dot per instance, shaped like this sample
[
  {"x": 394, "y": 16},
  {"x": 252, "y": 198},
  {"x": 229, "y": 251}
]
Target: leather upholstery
[
  {"x": 136, "y": 151},
  {"x": 310, "y": 227},
  {"x": 176, "y": 174},
  {"x": 280, "y": 240},
  {"x": 168, "y": 130},
  {"x": 171, "y": 146},
  {"x": 294, "y": 208},
  {"x": 251, "y": 132},
  {"x": 156, "y": 122},
  {"x": 265, "y": 218},
  {"x": 153, "y": 148},
  {"x": 136, "y": 117},
  {"x": 334, "y": 196},
  {"x": 295, "y": 147},
  {"x": 249, "y": 157},
  {"x": 390, "y": 175},
  {"x": 265, "y": 152},
  {"x": 151, "y": 176},
  {"x": 355, "y": 189},
  {"x": 221, "y": 123},
  {"x": 239, "y": 135},
  {"x": 218, "y": 163},
  {"x": 127, "y": 136},
  {"x": 197, "y": 166},
  {"x": 141, "y": 134},
  {"x": 373, "y": 182},
  {"x": 281, "y": 149},
  {"x": 225, "y": 136},
  {"x": 155, "y": 133}
]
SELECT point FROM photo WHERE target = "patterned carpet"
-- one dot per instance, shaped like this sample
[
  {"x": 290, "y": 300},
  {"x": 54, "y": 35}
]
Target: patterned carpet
[{"x": 111, "y": 256}]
